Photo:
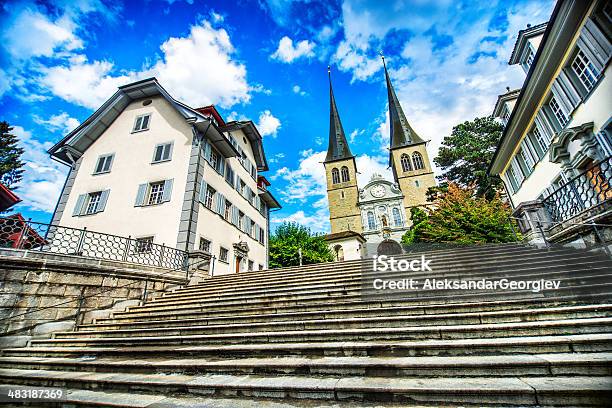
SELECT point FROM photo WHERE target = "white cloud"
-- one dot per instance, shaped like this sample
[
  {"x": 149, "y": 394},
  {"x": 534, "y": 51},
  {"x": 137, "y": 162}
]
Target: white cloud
[
  {"x": 268, "y": 124},
  {"x": 196, "y": 69},
  {"x": 62, "y": 122},
  {"x": 353, "y": 135},
  {"x": 298, "y": 90},
  {"x": 287, "y": 52},
  {"x": 276, "y": 158},
  {"x": 43, "y": 178},
  {"x": 317, "y": 222},
  {"x": 216, "y": 17},
  {"x": 69, "y": 82},
  {"x": 33, "y": 34},
  {"x": 439, "y": 86}
]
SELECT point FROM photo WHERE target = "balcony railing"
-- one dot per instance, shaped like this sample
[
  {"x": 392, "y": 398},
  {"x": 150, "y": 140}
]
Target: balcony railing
[
  {"x": 589, "y": 189},
  {"x": 18, "y": 233}
]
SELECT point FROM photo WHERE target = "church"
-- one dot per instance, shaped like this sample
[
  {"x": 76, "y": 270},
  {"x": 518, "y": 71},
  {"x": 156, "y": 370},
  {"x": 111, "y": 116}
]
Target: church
[{"x": 362, "y": 218}]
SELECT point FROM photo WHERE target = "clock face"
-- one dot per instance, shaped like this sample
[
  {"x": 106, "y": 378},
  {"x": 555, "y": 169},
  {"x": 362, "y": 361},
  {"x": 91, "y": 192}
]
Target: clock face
[{"x": 378, "y": 191}]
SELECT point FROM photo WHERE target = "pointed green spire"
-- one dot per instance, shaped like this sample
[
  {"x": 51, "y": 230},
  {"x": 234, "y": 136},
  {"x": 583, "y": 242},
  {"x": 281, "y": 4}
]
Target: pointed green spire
[
  {"x": 338, "y": 147},
  {"x": 402, "y": 133}
]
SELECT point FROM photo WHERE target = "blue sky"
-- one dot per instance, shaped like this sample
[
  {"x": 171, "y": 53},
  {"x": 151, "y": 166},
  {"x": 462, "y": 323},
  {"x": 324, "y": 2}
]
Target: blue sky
[{"x": 261, "y": 60}]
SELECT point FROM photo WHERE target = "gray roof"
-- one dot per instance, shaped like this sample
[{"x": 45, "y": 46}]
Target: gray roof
[
  {"x": 75, "y": 143},
  {"x": 402, "y": 133},
  {"x": 338, "y": 147}
]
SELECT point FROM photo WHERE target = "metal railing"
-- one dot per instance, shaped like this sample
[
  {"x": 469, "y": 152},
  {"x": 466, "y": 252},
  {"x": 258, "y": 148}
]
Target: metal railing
[
  {"x": 18, "y": 233},
  {"x": 588, "y": 189}
]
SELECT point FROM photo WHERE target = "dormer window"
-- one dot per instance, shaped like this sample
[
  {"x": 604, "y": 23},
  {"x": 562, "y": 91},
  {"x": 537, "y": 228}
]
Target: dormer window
[
  {"x": 505, "y": 115},
  {"x": 142, "y": 123}
]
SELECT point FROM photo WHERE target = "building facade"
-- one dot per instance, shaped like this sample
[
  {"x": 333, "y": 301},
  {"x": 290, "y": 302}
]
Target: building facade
[
  {"x": 381, "y": 209},
  {"x": 147, "y": 166},
  {"x": 554, "y": 155}
]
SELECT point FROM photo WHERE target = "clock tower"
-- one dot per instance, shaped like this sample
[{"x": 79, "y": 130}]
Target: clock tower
[{"x": 341, "y": 174}]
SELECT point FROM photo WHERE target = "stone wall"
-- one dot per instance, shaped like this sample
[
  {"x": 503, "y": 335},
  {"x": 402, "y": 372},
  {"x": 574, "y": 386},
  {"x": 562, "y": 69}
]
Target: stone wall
[{"x": 41, "y": 293}]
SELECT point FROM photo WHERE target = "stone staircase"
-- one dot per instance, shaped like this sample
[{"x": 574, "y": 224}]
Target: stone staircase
[{"x": 315, "y": 336}]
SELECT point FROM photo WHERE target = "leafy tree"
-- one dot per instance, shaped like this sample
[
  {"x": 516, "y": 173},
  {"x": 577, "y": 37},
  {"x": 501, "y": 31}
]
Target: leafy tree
[
  {"x": 465, "y": 155},
  {"x": 289, "y": 237},
  {"x": 461, "y": 217},
  {"x": 10, "y": 156}
]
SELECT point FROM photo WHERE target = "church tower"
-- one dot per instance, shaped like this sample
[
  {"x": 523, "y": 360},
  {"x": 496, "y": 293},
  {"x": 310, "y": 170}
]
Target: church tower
[
  {"x": 341, "y": 174},
  {"x": 407, "y": 154}
]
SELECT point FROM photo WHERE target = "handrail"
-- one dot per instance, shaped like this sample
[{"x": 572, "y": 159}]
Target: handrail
[
  {"x": 584, "y": 191},
  {"x": 18, "y": 233}
]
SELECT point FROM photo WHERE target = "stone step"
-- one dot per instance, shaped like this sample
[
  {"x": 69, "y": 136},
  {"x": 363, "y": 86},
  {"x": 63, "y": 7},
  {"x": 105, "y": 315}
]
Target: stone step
[
  {"x": 471, "y": 255},
  {"x": 485, "y": 330},
  {"x": 593, "y": 364},
  {"x": 244, "y": 280},
  {"x": 519, "y": 315},
  {"x": 369, "y": 309},
  {"x": 598, "y": 294},
  {"x": 577, "y": 343},
  {"x": 525, "y": 266},
  {"x": 573, "y": 390},
  {"x": 357, "y": 282},
  {"x": 89, "y": 398},
  {"x": 576, "y": 284}
]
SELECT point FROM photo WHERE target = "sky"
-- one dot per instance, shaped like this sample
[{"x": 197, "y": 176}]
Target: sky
[{"x": 263, "y": 60}]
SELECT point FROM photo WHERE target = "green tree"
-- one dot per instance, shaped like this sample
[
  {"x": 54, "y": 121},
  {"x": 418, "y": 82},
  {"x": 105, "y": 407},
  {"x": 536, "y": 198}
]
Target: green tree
[
  {"x": 289, "y": 237},
  {"x": 465, "y": 155},
  {"x": 10, "y": 157},
  {"x": 460, "y": 216}
]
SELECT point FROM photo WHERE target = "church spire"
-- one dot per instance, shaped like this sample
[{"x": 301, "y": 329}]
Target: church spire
[
  {"x": 338, "y": 147},
  {"x": 402, "y": 133}
]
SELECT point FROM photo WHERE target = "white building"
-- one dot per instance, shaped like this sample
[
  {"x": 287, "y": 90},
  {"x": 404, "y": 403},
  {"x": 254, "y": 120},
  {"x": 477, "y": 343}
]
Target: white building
[
  {"x": 147, "y": 166},
  {"x": 554, "y": 155}
]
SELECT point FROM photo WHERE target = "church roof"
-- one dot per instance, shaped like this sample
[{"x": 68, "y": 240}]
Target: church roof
[
  {"x": 402, "y": 133},
  {"x": 338, "y": 147}
]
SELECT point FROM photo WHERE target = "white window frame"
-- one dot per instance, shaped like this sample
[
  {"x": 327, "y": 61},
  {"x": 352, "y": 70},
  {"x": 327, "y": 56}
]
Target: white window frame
[
  {"x": 105, "y": 163},
  {"x": 155, "y": 194},
  {"x": 144, "y": 245},
  {"x": 208, "y": 245},
  {"x": 138, "y": 123},
  {"x": 166, "y": 152},
  {"x": 209, "y": 197},
  {"x": 93, "y": 202},
  {"x": 584, "y": 69},
  {"x": 558, "y": 112},
  {"x": 223, "y": 254}
]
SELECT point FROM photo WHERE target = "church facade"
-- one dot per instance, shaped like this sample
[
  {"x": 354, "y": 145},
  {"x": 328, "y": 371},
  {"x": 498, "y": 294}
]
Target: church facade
[{"x": 381, "y": 209}]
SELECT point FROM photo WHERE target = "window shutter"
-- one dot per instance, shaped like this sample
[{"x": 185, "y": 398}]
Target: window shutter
[
  {"x": 103, "y": 199},
  {"x": 235, "y": 215},
  {"x": 140, "y": 197},
  {"x": 207, "y": 150},
  {"x": 78, "y": 208},
  {"x": 246, "y": 224},
  {"x": 109, "y": 162},
  {"x": 167, "y": 190},
  {"x": 562, "y": 97},
  {"x": 237, "y": 186},
  {"x": 203, "y": 187},
  {"x": 595, "y": 45},
  {"x": 221, "y": 165},
  {"x": 220, "y": 203},
  {"x": 570, "y": 90},
  {"x": 535, "y": 146},
  {"x": 544, "y": 126}
]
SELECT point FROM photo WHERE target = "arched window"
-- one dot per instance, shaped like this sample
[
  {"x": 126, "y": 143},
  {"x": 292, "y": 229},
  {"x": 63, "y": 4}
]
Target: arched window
[
  {"x": 385, "y": 222},
  {"x": 397, "y": 218},
  {"x": 405, "y": 160},
  {"x": 345, "y": 174},
  {"x": 371, "y": 221},
  {"x": 417, "y": 159},
  {"x": 335, "y": 176}
]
